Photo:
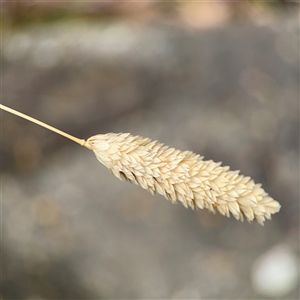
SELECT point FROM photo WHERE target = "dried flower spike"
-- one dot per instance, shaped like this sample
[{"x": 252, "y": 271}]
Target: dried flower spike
[{"x": 185, "y": 176}]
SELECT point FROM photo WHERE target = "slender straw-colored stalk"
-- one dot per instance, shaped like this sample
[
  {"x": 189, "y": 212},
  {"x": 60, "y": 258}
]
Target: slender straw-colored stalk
[{"x": 33, "y": 120}]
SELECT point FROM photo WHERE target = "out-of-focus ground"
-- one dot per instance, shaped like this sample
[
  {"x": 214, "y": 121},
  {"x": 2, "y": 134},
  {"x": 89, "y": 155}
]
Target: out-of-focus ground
[{"x": 219, "y": 79}]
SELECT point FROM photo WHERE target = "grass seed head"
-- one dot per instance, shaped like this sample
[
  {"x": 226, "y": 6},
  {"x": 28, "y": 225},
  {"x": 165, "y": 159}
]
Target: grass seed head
[{"x": 183, "y": 176}]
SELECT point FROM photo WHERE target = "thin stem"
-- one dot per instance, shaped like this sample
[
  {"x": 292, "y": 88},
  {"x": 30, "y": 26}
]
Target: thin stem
[{"x": 68, "y": 136}]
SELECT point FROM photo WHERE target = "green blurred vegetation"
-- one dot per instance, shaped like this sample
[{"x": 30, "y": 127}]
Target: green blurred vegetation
[{"x": 21, "y": 13}]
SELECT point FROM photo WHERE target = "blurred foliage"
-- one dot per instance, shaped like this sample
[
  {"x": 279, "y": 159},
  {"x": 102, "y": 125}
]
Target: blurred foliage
[{"x": 20, "y": 13}]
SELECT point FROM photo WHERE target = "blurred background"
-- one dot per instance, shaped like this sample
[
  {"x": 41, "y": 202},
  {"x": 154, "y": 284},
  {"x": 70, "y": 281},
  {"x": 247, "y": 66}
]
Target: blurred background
[{"x": 218, "y": 78}]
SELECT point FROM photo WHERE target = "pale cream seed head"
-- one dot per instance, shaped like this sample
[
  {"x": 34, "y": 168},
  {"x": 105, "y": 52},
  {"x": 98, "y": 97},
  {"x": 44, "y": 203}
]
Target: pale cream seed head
[{"x": 183, "y": 176}]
